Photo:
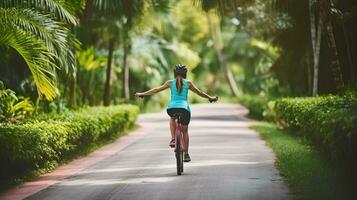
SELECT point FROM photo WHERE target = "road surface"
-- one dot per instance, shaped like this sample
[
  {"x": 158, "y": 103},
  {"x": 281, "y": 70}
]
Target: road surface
[{"x": 229, "y": 161}]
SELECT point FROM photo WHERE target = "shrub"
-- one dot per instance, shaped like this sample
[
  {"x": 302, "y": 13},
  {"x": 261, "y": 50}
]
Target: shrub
[
  {"x": 13, "y": 108},
  {"x": 256, "y": 104},
  {"x": 45, "y": 141},
  {"x": 329, "y": 121}
]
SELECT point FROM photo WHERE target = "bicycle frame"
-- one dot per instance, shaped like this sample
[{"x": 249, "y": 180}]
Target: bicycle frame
[{"x": 179, "y": 136}]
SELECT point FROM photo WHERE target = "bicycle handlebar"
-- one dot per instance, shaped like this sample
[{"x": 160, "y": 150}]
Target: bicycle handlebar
[{"x": 213, "y": 100}]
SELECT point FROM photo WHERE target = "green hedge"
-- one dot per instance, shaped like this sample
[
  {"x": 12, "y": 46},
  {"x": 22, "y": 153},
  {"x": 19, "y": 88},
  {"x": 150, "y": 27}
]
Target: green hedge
[
  {"x": 329, "y": 121},
  {"x": 45, "y": 141}
]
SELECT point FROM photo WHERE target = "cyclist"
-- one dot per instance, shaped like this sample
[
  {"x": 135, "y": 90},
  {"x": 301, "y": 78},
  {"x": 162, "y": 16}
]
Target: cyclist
[{"x": 179, "y": 87}]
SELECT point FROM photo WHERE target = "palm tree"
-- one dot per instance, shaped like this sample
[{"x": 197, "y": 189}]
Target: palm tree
[
  {"x": 89, "y": 62},
  {"x": 38, "y": 30},
  {"x": 323, "y": 9},
  {"x": 132, "y": 10},
  {"x": 321, "y": 16},
  {"x": 214, "y": 25},
  {"x": 312, "y": 22},
  {"x": 327, "y": 6},
  {"x": 115, "y": 15},
  {"x": 119, "y": 19},
  {"x": 133, "y": 15},
  {"x": 223, "y": 6}
]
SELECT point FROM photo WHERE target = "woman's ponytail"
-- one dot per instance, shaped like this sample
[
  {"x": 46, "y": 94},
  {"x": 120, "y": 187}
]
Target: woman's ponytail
[
  {"x": 179, "y": 83},
  {"x": 180, "y": 72}
]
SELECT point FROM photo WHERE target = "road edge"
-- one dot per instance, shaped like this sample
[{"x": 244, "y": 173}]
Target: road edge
[{"x": 44, "y": 181}]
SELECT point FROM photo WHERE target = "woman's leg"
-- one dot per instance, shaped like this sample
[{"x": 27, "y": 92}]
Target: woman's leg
[
  {"x": 186, "y": 138},
  {"x": 172, "y": 127}
]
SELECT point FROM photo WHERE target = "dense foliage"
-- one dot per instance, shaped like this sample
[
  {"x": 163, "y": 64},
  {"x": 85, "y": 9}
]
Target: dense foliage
[
  {"x": 331, "y": 24},
  {"x": 114, "y": 45},
  {"x": 329, "y": 121},
  {"x": 13, "y": 108},
  {"x": 37, "y": 35},
  {"x": 45, "y": 141},
  {"x": 256, "y": 104}
]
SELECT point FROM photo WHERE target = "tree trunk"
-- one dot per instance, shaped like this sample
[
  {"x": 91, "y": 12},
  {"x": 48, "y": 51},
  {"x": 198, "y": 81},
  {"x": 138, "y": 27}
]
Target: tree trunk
[
  {"x": 126, "y": 48},
  {"x": 335, "y": 62},
  {"x": 350, "y": 55},
  {"x": 228, "y": 73},
  {"x": 316, "y": 33},
  {"x": 72, "y": 92},
  {"x": 309, "y": 73},
  {"x": 107, "y": 85},
  {"x": 73, "y": 79},
  {"x": 331, "y": 42},
  {"x": 218, "y": 45},
  {"x": 90, "y": 93}
]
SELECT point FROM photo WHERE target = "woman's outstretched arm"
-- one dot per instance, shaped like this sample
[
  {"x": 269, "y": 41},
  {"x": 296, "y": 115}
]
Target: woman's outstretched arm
[
  {"x": 200, "y": 93},
  {"x": 154, "y": 90}
]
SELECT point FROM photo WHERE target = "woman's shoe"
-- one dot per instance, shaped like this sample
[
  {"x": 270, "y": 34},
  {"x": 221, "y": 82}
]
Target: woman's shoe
[
  {"x": 186, "y": 158},
  {"x": 172, "y": 143}
]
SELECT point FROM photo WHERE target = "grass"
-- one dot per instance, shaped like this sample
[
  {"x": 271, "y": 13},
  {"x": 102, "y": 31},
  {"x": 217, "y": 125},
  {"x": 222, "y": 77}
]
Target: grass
[{"x": 310, "y": 174}]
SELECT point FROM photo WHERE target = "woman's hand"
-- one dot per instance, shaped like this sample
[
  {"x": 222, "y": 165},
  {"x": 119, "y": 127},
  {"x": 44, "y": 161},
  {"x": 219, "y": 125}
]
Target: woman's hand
[
  {"x": 213, "y": 99},
  {"x": 139, "y": 95}
]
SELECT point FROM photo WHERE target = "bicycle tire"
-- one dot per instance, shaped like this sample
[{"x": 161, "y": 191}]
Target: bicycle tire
[
  {"x": 181, "y": 161},
  {"x": 181, "y": 151},
  {"x": 179, "y": 158}
]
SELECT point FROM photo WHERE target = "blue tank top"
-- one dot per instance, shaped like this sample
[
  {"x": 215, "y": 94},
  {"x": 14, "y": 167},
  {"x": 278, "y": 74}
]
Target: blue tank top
[{"x": 179, "y": 100}]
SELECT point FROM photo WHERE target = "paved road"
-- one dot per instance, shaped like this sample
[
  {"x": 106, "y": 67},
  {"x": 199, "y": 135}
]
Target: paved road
[{"x": 229, "y": 161}]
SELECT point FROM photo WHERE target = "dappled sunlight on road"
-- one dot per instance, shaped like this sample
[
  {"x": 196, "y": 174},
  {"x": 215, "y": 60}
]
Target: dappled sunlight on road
[
  {"x": 98, "y": 182},
  {"x": 208, "y": 163}
]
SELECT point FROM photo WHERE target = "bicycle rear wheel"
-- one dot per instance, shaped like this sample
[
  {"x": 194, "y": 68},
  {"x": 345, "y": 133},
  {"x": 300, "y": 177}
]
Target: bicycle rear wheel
[
  {"x": 179, "y": 156},
  {"x": 181, "y": 161}
]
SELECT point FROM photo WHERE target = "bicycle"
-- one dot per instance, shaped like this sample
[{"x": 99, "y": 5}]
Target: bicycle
[
  {"x": 179, "y": 144},
  {"x": 179, "y": 141}
]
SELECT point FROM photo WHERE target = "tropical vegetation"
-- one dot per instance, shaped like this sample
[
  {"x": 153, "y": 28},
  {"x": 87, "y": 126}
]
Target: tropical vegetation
[{"x": 60, "y": 59}]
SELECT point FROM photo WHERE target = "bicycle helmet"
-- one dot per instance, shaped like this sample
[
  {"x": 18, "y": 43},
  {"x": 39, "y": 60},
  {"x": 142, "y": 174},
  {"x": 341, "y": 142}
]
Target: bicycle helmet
[{"x": 181, "y": 70}]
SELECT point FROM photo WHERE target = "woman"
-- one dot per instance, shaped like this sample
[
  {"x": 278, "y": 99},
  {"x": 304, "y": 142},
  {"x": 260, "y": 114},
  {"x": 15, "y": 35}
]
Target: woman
[{"x": 178, "y": 104}]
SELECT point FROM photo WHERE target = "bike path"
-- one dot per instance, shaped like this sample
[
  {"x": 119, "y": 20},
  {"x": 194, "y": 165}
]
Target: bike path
[{"x": 229, "y": 161}]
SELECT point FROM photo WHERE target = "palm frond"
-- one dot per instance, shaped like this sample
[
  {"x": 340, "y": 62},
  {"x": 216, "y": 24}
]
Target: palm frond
[
  {"x": 107, "y": 5},
  {"x": 56, "y": 35},
  {"x": 72, "y": 6},
  {"x": 37, "y": 57},
  {"x": 89, "y": 60},
  {"x": 61, "y": 9}
]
